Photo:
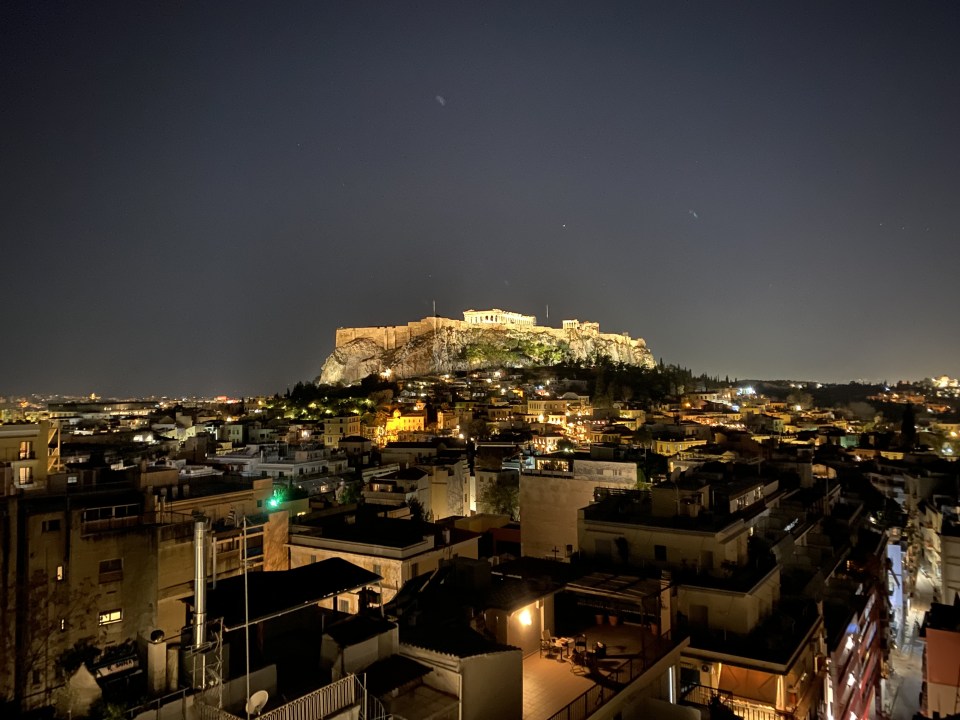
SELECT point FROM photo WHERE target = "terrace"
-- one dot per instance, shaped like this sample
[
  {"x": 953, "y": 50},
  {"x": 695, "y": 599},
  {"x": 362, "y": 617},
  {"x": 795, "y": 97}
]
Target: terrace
[{"x": 561, "y": 686}]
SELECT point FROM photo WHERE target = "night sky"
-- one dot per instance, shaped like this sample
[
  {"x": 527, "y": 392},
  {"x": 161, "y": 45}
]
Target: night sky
[{"x": 195, "y": 195}]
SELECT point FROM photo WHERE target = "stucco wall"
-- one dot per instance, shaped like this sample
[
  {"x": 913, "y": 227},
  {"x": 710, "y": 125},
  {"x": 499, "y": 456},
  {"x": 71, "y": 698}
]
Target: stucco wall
[
  {"x": 733, "y": 612},
  {"x": 502, "y": 671},
  {"x": 549, "y": 506}
]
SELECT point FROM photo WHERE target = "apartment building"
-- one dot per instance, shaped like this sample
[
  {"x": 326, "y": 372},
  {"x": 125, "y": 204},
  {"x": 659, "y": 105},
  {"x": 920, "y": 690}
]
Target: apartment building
[
  {"x": 395, "y": 549},
  {"x": 552, "y": 492},
  {"x": 103, "y": 557},
  {"x": 754, "y": 647}
]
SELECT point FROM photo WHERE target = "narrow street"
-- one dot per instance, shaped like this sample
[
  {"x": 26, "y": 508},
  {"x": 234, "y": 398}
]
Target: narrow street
[{"x": 907, "y": 660}]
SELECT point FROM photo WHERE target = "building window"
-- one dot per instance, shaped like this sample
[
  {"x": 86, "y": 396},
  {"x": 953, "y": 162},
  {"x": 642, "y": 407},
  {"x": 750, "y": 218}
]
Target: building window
[
  {"x": 26, "y": 450},
  {"x": 660, "y": 552},
  {"x": 109, "y": 617},
  {"x": 111, "y": 570},
  {"x": 51, "y": 525},
  {"x": 63, "y": 624},
  {"x": 344, "y": 605},
  {"x": 59, "y": 572},
  {"x": 26, "y": 476},
  {"x": 377, "y": 569},
  {"x": 36, "y": 677}
]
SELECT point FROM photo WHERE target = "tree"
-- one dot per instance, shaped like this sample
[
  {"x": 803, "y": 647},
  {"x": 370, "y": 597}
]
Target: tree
[
  {"x": 349, "y": 493},
  {"x": 381, "y": 398},
  {"x": 416, "y": 510},
  {"x": 48, "y": 612},
  {"x": 501, "y": 497},
  {"x": 800, "y": 399},
  {"x": 478, "y": 429}
]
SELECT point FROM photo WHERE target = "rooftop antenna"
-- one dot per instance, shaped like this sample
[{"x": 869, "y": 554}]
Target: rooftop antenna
[{"x": 548, "y": 311}]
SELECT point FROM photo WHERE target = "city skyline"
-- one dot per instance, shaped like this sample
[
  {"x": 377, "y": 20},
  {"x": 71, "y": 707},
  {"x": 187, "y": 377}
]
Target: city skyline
[{"x": 196, "y": 199}]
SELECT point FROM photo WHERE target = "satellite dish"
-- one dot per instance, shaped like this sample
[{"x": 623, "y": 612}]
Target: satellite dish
[{"x": 257, "y": 702}]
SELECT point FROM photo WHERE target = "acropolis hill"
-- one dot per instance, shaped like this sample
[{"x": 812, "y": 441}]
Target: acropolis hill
[{"x": 484, "y": 338}]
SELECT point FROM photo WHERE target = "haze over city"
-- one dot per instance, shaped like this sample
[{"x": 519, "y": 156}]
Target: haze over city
[{"x": 196, "y": 196}]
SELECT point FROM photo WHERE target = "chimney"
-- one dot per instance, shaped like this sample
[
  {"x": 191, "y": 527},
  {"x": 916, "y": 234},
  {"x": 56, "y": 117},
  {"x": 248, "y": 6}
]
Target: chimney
[{"x": 199, "y": 582}]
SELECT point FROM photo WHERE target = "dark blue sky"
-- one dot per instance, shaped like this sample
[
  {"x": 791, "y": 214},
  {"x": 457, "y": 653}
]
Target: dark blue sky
[{"x": 195, "y": 195}]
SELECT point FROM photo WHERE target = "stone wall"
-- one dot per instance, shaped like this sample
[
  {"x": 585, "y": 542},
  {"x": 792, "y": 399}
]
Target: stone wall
[{"x": 390, "y": 337}]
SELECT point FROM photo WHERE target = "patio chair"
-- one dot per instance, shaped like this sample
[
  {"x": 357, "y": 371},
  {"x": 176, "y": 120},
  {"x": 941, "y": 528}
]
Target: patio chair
[
  {"x": 547, "y": 643},
  {"x": 578, "y": 665},
  {"x": 580, "y": 643}
]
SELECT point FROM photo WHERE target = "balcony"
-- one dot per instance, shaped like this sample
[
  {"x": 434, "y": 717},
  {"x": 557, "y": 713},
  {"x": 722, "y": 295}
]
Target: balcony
[
  {"x": 94, "y": 527},
  {"x": 746, "y": 708},
  {"x": 775, "y": 640}
]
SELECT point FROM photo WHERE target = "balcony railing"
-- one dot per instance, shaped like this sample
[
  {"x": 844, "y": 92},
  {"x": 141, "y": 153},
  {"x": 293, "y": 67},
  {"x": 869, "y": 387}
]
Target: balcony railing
[
  {"x": 92, "y": 527},
  {"x": 743, "y": 707},
  {"x": 324, "y": 702},
  {"x": 595, "y": 697}
]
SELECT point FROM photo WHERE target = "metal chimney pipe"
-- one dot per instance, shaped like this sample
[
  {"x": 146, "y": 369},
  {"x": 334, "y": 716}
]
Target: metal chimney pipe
[{"x": 199, "y": 583}]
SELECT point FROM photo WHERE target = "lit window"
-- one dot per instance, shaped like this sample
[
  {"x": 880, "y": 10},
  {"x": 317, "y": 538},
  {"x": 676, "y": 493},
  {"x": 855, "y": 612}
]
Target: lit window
[
  {"x": 59, "y": 572},
  {"x": 63, "y": 624},
  {"x": 26, "y": 475},
  {"x": 114, "y": 616}
]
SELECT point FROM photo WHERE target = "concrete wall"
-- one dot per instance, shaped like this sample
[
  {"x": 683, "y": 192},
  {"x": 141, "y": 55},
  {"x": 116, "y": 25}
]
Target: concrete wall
[
  {"x": 942, "y": 698},
  {"x": 949, "y": 568},
  {"x": 549, "y": 504},
  {"x": 943, "y": 669},
  {"x": 696, "y": 549},
  {"x": 734, "y": 612},
  {"x": 502, "y": 671}
]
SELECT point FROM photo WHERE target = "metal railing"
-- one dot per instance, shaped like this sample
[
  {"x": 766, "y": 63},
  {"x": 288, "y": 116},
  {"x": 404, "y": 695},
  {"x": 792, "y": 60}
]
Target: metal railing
[
  {"x": 587, "y": 704},
  {"x": 321, "y": 703},
  {"x": 617, "y": 679},
  {"x": 745, "y": 708}
]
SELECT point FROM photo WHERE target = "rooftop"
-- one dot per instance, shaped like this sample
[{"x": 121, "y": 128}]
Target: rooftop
[
  {"x": 275, "y": 593},
  {"x": 635, "y": 507},
  {"x": 942, "y": 617}
]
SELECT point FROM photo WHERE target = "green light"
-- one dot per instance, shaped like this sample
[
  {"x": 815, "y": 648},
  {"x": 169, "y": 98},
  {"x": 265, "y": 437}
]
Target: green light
[{"x": 273, "y": 502}]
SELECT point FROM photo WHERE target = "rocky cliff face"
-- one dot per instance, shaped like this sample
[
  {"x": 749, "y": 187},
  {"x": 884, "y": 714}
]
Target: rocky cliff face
[{"x": 454, "y": 349}]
